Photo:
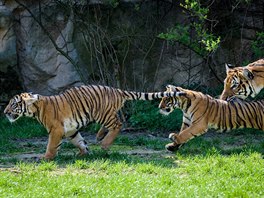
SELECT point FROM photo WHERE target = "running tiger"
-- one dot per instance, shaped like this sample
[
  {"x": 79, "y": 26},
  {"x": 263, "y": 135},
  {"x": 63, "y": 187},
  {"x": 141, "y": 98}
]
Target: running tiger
[
  {"x": 242, "y": 82},
  {"x": 201, "y": 112},
  {"x": 63, "y": 115}
]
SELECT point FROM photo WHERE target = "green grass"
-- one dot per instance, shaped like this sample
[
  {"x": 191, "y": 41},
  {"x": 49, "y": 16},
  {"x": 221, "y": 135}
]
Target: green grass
[
  {"x": 213, "y": 165},
  {"x": 214, "y": 175},
  {"x": 22, "y": 129}
]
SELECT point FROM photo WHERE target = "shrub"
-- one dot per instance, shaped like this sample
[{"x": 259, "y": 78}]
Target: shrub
[{"x": 146, "y": 114}]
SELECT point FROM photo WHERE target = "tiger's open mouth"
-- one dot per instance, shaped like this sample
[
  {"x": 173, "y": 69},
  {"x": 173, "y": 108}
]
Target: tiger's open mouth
[{"x": 12, "y": 117}]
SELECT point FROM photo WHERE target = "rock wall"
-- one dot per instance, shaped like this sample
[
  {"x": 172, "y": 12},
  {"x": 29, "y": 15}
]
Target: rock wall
[
  {"x": 53, "y": 45},
  {"x": 41, "y": 67},
  {"x": 8, "y": 57}
]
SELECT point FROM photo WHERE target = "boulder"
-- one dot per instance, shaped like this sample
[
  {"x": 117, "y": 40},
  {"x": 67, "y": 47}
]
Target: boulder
[{"x": 8, "y": 55}]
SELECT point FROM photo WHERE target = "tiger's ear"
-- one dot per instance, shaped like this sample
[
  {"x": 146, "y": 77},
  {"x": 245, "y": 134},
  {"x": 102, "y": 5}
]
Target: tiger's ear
[
  {"x": 171, "y": 88},
  {"x": 228, "y": 67},
  {"x": 29, "y": 98},
  {"x": 248, "y": 74}
]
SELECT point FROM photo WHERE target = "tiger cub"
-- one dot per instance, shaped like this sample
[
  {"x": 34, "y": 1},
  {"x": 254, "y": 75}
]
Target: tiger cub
[
  {"x": 243, "y": 82},
  {"x": 201, "y": 112},
  {"x": 64, "y": 114}
]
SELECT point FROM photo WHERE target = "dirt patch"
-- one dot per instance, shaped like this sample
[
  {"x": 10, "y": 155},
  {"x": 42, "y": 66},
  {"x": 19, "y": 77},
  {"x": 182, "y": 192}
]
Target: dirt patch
[
  {"x": 36, "y": 147},
  {"x": 34, "y": 157},
  {"x": 28, "y": 156},
  {"x": 33, "y": 149}
]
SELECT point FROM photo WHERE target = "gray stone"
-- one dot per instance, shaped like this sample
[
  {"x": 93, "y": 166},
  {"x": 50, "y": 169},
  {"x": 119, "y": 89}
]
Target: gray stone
[
  {"x": 8, "y": 56},
  {"x": 117, "y": 48}
]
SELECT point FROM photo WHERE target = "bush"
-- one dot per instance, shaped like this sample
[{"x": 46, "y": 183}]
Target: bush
[
  {"x": 146, "y": 114},
  {"x": 258, "y": 45}
]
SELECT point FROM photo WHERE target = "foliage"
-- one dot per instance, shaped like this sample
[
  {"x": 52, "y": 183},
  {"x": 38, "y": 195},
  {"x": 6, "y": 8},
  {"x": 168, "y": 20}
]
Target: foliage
[
  {"x": 195, "y": 8},
  {"x": 212, "y": 91},
  {"x": 145, "y": 114},
  {"x": 260, "y": 96},
  {"x": 113, "y": 3},
  {"x": 258, "y": 45},
  {"x": 21, "y": 129},
  {"x": 184, "y": 33}
]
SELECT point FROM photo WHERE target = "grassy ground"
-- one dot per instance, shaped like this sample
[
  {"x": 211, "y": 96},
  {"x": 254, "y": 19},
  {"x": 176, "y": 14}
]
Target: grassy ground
[{"x": 213, "y": 165}]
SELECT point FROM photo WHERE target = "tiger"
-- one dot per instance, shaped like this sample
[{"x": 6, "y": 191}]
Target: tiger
[
  {"x": 243, "y": 82},
  {"x": 201, "y": 111},
  {"x": 64, "y": 114}
]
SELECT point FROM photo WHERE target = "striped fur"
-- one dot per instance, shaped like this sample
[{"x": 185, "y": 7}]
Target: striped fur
[
  {"x": 201, "y": 112},
  {"x": 243, "y": 82},
  {"x": 63, "y": 115}
]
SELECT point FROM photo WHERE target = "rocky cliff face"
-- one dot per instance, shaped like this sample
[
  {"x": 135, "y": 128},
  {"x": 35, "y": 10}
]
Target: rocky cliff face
[
  {"x": 42, "y": 69},
  {"x": 53, "y": 45}
]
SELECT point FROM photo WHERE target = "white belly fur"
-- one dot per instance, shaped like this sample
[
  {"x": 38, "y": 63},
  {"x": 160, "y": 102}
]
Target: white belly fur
[{"x": 70, "y": 127}]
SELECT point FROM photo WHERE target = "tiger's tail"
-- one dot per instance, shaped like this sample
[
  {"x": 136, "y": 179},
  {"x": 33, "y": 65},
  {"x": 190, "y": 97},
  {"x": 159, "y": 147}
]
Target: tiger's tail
[{"x": 149, "y": 96}]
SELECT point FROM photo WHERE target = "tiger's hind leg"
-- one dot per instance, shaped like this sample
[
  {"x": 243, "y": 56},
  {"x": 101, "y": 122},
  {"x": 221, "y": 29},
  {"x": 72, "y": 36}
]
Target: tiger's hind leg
[
  {"x": 101, "y": 134},
  {"x": 114, "y": 128},
  {"x": 77, "y": 140},
  {"x": 173, "y": 146}
]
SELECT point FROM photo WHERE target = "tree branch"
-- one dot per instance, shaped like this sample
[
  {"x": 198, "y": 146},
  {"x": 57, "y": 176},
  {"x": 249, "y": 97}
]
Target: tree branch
[{"x": 53, "y": 41}]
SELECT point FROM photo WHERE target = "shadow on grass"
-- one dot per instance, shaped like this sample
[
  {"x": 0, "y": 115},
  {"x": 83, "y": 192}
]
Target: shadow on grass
[
  {"x": 243, "y": 141},
  {"x": 233, "y": 142},
  {"x": 225, "y": 144}
]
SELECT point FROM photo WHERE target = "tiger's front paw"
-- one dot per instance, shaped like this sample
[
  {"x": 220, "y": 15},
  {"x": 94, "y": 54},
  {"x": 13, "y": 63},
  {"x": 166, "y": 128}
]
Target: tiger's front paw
[
  {"x": 49, "y": 156},
  {"x": 172, "y": 147}
]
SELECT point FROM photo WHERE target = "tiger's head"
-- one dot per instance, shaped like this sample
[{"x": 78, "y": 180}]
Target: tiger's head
[
  {"x": 20, "y": 105},
  {"x": 168, "y": 104},
  {"x": 238, "y": 83}
]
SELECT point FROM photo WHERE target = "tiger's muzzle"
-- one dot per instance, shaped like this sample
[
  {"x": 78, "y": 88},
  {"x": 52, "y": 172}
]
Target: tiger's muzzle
[{"x": 12, "y": 117}]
